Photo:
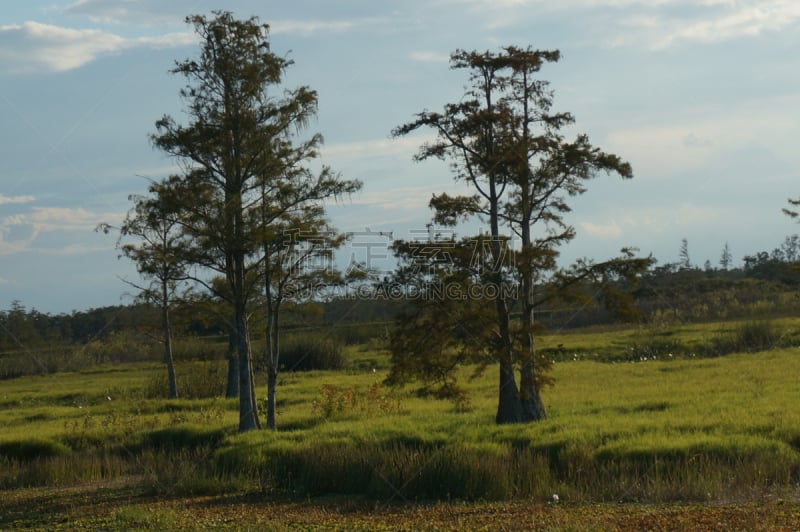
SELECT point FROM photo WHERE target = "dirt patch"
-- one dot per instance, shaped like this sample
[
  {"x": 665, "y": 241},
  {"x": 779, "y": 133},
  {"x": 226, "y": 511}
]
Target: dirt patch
[{"x": 119, "y": 505}]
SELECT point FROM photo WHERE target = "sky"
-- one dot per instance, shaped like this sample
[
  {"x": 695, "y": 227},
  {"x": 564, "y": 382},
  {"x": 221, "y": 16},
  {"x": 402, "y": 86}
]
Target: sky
[{"x": 702, "y": 97}]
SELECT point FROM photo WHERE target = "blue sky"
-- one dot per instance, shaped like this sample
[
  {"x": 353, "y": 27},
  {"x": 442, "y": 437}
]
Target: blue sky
[{"x": 701, "y": 96}]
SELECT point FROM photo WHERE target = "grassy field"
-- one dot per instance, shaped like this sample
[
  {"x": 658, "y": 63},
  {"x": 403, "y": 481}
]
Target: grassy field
[{"x": 634, "y": 433}]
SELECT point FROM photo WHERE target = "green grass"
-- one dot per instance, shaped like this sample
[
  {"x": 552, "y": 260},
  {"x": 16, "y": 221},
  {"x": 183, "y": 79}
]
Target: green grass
[
  {"x": 618, "y": 428},
  {"x": 671, "y": 340}
]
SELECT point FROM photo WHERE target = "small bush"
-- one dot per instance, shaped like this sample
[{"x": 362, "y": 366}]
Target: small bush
[
  {"x": 334, "y": 401},
  {"x": 757, "y": 336},
  {"x": 197, "y": 380},
  {"x": 747, "y": 337},
  {"x": 305, "y": 354}
]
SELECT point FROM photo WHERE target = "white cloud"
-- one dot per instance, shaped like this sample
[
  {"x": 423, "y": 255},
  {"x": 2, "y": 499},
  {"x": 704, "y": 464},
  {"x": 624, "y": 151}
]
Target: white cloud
[
  {"x": 145, "y": 12},
  {"x": 659, "y": 149},
  {"x": 74, "y": 249},
  {"x": 650, "y": 227},
  {"x": 693, "y": 141},
  {"x": 721, "y": 20},
  {"x": 19, "y": 231},
  {"x": 37, "y": 47},
  {"x": 5, "y": 200},
  {"x": 406, "y": 146},
  {"x": 159, "y": 12},
  {"x": 34, "y": 47},
  {"x": 683, "y": 215},
  {"x": 743, "y": 21},
  {"x": 691, "y": 137},
  {"x": 54, "y": 218},
  {"x": 306, "y": 28},
  {"x": 430, "y": 57},
  {"x": 655, "y": 24},
  {"x": 608, "y": 230},
  {"x": 398, "y": 199},
  {"x": 168, "y": 40}
]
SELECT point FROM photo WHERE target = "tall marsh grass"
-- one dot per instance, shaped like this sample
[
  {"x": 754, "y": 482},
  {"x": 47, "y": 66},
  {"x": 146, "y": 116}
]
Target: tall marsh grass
[
  {"x": 399, "y": 472},
  {"x": 44, "y": 361},
  {"x": 715, "y": 428},
  {"x": 63, "y": 470},
  {"x": 314, "y": 352},
  {"x": 195, "y": 379}
]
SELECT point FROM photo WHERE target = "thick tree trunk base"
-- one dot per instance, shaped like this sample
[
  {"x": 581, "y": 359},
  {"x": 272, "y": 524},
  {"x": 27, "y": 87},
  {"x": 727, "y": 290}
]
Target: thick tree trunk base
[
  {"x": 532, "y": 408},
  {"x": 508, "y": 405},
  {"x": 529, "y": 397}
]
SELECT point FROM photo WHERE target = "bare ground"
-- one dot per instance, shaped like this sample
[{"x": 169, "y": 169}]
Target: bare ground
[{"x": 124, "y": 505}]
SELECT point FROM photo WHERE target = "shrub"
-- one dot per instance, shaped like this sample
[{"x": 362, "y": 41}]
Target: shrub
[
  {"x": 310, "y": 353},
  {"x": 334, "y": 400},
  {"x": 756, "y": 336},
  {"x": 196, "y": 380},
  {"x": 747, "y": 337}
]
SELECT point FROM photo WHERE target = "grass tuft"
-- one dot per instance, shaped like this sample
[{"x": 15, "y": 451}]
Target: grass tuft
[{"x": 28, "y": 450}]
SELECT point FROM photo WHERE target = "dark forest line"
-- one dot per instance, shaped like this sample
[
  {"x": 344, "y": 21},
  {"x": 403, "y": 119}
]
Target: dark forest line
[{"x": 764, "y": 285}]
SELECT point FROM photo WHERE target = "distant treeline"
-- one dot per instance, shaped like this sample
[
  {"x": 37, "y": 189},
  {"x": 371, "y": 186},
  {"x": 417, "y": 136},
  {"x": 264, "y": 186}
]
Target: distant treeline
[{"x": 764, "y": 285}]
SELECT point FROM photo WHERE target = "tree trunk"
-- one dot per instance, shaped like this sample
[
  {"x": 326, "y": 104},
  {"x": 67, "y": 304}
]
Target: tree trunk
[
  {"x": 247, "y": 414},
  {"x": 272, "y": 359},
  {"x": 235, "y": 271},
  {"x": 508, "y": 404},
  {"x": 173, "y": 383},
  {"x": 232, "y": 389},
  {"x": 529, "y": 395},
  {"x": 253, "y": 395},
  {"x": 530, "y": 398}
]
